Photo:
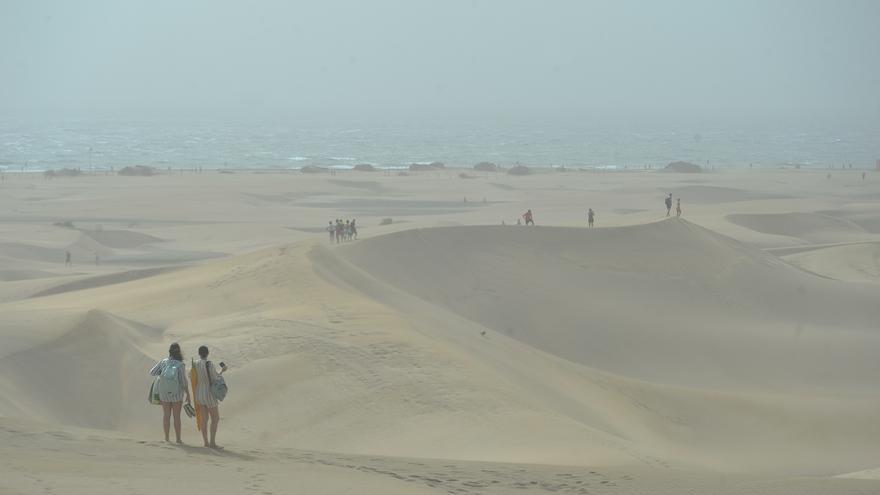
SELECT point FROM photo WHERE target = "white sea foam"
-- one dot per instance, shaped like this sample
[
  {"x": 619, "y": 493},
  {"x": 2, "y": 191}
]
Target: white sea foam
[{"x": 538, "y": 146}]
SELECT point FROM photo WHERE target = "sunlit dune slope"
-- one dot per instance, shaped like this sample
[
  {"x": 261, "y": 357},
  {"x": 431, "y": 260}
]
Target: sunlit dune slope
[
  {"x": 667, "y": 302},
  {"x": 381, "y": 347}
]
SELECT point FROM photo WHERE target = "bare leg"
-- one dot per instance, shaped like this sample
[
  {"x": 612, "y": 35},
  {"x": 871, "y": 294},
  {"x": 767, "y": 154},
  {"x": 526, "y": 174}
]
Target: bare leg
[
  {"x": 203, "y": 424},
  {"x": 215, "y": 419},
  {"x": 166, "y": 419},
  {"x": 175, "y": 408}
]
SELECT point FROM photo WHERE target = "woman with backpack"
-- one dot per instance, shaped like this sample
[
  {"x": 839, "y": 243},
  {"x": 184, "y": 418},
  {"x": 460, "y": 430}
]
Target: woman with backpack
[
  {"x": 208, "y": 380},
  {"x": 172, "y": 386}
]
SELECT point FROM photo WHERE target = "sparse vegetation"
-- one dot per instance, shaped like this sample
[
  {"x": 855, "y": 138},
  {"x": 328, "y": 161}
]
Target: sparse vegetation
[
  {"x": 138, "y": 170},
  {"x": 520, "y": 170},
  {"x": 427, "y": 167},
  {"x": 683, "y": 168}
]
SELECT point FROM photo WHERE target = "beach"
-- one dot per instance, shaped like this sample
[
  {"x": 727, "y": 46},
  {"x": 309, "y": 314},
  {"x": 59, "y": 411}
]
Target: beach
[{"x": 448, "y": 349}]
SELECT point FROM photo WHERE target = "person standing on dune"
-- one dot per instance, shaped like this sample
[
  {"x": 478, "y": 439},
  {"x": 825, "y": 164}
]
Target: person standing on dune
[
  {"x": 171, "y": 382},
  {"x": 668, "y": 204},
  {"x": 332, "y": 230},
  {"x": 678, "y": 208},
  {"x": 205, "y": 400},
  {"x": 527, "y": 216},
  {"x": 590, "y": 217}
]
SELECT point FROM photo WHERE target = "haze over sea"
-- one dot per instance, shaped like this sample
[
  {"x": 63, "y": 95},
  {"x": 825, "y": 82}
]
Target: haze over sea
[{"x": 398, "y": 142}]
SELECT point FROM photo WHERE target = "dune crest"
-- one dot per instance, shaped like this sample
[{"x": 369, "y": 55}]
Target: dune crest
[{"x": 103, "y": 351}]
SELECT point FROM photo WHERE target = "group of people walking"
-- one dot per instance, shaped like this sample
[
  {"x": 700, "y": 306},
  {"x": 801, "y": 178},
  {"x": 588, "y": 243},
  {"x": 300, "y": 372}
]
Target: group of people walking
[
  {"x": 342, "y": 231},
  {"x": 669, "y": 206},
  {"x": 172, "y": 390},
  {"x": 529, "y": 218}
]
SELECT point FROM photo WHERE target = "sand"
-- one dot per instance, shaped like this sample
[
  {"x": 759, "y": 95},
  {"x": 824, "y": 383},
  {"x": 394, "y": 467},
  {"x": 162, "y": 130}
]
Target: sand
[{"x": 730, "y": 351}]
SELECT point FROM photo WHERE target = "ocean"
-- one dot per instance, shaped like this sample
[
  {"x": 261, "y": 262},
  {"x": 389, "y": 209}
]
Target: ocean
[{"x": 100, "y": 145}]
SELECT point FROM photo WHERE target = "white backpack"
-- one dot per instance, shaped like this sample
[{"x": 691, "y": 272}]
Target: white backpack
[{"x": 169, "y": 381}]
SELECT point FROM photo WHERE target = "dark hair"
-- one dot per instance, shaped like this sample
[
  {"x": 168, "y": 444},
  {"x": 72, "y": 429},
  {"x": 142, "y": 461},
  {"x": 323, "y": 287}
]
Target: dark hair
[
  {"x": 174, "y": 352},
  {"x": 203, "y": 351}
]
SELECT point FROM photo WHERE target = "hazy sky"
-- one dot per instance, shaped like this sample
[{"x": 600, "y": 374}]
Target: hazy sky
[{"x": 229, "y": 59}]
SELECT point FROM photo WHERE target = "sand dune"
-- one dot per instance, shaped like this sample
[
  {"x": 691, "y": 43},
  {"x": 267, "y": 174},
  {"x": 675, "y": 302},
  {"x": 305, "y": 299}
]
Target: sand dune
[
  {"x": 853, "y": 262},
  {"x": 658, "y": 357},
  {"x": 14, "y": 275},
  {"x": 362, "y": 375},
  {"x": 629, "y": 300},
  {"x": 703, "y": 194},
  {"x": 120, "y": 239},
  {"x": 82, "y": 249},
  {"x": 32, "y": 252},
  {"x": 279, "y": 198},
  {"x": 100, "y": 463},
  {"x": 103, "y": 354},
  {"x": 102, "y": 280},
  {"x": 867, "y": 474},
  {"x": 399, "y": 207},
  {"x": 811, "y": 227},
  {"x": 867, "y": 218},
  {"x": 367, "y": 185}
]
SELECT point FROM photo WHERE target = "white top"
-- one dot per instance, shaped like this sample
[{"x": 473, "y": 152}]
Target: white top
[{"x": 203, "y": 389}]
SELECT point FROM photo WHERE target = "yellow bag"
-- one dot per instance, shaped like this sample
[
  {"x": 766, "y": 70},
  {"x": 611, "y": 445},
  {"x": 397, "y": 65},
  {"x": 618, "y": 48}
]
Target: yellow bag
[{"x": 194, "y": 380}]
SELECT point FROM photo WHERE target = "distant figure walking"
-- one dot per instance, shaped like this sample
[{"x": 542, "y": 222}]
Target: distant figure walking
[
  {"x": 172, "y": 387},
  {"x": 527, "y": 216},
  {"x": 668, "y": 204},
  {"x": 590, "y": 217},
  {"x": 340, "y": 230},
  {"x": 67, "y": 261},
  {"x": 354, "y": 230},
  {"x": 331, "y": 229},
  {"x": 678, "y": 208}
]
